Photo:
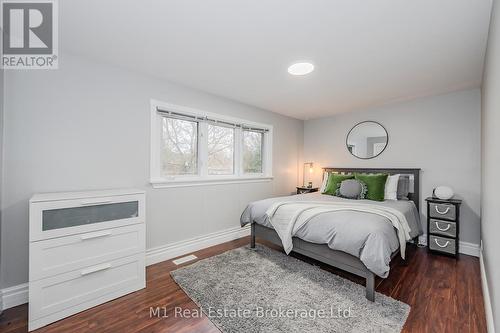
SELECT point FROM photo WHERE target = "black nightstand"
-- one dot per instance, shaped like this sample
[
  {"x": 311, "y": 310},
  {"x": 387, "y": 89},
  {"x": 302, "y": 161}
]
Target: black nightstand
[
  {"x": 443, "y": 225},
  {"x": 303, "y": 190}
]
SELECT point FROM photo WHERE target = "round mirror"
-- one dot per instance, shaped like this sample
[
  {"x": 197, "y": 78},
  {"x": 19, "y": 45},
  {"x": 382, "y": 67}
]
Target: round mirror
[{"x": 367, "y": 139}]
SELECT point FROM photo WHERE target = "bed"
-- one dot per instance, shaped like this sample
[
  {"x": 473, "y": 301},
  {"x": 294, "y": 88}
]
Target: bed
[{"x": 356, "y": 241}]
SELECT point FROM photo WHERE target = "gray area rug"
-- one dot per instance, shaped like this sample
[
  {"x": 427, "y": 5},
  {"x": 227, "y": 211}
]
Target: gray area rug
[{"x": 263, "y": 290}]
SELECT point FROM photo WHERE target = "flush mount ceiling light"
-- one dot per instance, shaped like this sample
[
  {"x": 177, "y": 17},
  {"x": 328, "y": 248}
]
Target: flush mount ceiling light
[{"x": 301, "y": 68}]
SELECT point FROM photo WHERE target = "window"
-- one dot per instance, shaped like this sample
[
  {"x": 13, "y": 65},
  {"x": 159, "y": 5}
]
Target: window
[
  {"x": 252, "y": 151},
  {"x": 192, "y": 147},
  {"x": 179, "y": 149},
  {"x": 220, "y": 150}
]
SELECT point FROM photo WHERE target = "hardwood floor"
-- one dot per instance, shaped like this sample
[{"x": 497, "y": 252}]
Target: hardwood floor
[{"x": 444, "y": 294}]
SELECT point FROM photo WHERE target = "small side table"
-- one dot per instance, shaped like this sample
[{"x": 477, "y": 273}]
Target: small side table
[
  {"x": 443, "y": 225},
  {"x": 304, "y": 190}
]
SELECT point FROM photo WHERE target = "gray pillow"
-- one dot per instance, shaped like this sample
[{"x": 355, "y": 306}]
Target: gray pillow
[
  {"x": 351, "y": 189},
  {"x": 403, "y": 187}
]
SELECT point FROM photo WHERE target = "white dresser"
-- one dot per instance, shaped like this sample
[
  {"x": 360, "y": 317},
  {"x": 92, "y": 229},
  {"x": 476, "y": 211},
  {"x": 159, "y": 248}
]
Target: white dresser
[{"x": 86, "y": 248}]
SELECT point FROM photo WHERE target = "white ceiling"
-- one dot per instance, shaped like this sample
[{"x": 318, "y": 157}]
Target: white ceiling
[{"x": 366, "y": 53}]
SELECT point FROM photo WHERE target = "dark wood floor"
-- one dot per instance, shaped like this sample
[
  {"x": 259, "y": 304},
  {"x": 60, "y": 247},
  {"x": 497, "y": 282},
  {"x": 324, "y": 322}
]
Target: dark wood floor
[{"x": 444, "y": 294}]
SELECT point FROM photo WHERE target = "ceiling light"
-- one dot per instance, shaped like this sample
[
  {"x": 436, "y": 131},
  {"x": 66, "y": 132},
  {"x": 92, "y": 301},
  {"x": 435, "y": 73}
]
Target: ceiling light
[{"x": 301, "y": 68}]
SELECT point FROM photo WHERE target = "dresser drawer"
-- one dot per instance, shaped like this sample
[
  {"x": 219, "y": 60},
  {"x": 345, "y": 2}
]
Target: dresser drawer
[
  {"x": 64, "y": 254},
  {"x": 442, "y": 244},
  {"x": 60, "y": 218},
  {"x": 442, "y": 211},
  {"x": 444, "y": 228},
  {"x": 59, "y": 296}
]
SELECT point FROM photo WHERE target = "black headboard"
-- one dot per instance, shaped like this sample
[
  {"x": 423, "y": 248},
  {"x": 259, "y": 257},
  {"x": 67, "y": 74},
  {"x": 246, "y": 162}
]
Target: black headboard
[{"x": 415, "y": 196}]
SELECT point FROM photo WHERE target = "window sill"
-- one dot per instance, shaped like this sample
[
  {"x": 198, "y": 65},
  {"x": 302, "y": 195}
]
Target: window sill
[{"x": 162, "y": 183}]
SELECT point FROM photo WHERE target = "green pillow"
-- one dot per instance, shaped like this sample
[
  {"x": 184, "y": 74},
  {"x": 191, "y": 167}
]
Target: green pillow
[
  {"x": 334, "y": 180},
  {"x": 375, "y": 183}
]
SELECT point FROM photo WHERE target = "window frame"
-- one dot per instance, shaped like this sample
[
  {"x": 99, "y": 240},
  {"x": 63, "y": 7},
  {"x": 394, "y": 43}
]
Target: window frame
[{"x": 157, "y": 180}]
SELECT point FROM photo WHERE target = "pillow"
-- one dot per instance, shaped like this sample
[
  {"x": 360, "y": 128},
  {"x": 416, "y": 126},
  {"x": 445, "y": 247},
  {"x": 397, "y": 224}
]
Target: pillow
[
  {"x": 351, "y": 189},
  {"x": 403, "y": 187},
  {"x": 391, "y": 188},
  {"x": 375, "y": 183},
  {"x": 323, "y": 183},
  {"x": 334, "y": 179}
]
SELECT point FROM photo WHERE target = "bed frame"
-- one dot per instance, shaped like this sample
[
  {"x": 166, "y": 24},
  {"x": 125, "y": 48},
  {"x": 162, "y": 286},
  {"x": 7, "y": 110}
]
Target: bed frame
[{"x": 337, "y": 258}]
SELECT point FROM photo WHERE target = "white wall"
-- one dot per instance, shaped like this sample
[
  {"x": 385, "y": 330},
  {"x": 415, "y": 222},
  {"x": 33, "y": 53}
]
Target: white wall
[
  {"x": 440, "y": 135},
  {"x": 2, "y": 99},
  {"x": 86, "y": 126},
  {"x": 490, "y": 208}
]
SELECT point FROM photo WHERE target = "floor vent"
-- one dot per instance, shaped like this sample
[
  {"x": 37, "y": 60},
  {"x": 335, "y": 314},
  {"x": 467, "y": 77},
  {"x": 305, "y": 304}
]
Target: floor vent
[{"x": 185, "y": 259}]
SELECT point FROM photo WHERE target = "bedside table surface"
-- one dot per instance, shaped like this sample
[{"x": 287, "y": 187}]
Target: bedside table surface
[
  {"x": 305, "y": 190},
  {"x": 453, "y": 201}
]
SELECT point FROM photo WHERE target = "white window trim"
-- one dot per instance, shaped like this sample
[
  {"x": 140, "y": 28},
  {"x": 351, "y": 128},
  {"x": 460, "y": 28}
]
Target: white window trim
[{"x": 157, "y": 181}]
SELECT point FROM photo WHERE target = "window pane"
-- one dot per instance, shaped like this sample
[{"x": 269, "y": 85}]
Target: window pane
[
  {"x": 179, "y": 153},
  {"x": 220, "y": 150},
  {"x": 252, "y": 152}
]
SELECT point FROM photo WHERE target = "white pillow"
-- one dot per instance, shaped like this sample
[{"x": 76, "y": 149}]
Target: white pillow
[
  {"x": 391, "y": 188},
  {"x": 323, "y": 184}
]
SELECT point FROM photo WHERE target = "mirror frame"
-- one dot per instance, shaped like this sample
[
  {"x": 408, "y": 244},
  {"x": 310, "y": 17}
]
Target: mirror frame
[{"x": 362, "y": 122}]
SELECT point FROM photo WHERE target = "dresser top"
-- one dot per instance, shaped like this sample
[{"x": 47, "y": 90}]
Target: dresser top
[{"x": 56, "y": 196}]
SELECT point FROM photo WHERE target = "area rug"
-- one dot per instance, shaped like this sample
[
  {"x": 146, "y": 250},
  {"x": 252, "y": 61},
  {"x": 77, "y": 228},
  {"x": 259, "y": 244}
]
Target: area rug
[{"x": 263, "y": 290}]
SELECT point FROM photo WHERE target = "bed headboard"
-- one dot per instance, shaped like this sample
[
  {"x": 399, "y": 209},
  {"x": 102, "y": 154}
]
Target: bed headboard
[{"x": 414, "y": 174}]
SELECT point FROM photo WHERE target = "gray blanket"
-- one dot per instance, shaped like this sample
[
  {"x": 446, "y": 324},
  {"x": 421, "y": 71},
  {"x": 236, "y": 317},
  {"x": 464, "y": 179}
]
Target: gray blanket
[{"x": 370, "y": 237}]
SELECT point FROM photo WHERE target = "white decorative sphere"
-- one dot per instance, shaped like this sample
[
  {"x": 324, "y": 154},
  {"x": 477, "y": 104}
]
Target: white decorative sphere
[{"x": 443, "y": 192}]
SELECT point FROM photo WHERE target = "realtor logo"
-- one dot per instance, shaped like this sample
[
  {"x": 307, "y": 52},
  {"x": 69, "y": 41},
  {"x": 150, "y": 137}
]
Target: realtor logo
[{"x": 30, "y": 34}]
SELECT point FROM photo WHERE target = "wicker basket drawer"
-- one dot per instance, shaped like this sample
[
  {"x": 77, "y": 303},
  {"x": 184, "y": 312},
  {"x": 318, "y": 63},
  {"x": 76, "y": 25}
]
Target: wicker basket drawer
[
  {"x": 444, "y": 228},
  {"x": 442, "y": 211},
  {"x": 442, "y": 244}
]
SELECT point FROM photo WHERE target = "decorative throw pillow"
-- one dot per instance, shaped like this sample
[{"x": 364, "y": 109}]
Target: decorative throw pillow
[
  {"x": 351, "y": 189},
  {"x": 403, "y": 187},
  {"x": 324, "y": 181},
  {"x": 334, "y": 179},
  {"x": 391, "y": 187},
  {"x": 375, "y": 183}
]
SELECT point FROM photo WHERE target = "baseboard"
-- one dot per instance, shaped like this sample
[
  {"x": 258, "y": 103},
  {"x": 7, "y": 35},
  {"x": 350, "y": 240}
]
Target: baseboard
[
  {"x": 17, "y": 295},
  {"x": 470, "y": 249},
  {"x": 486, "y": 296},
  {"x": 169, "y": 251},
  {"x": 14, "y": 296}
]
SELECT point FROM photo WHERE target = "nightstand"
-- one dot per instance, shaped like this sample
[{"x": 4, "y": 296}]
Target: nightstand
[
  {"x": 304, "y": 190},
  {"x": 443, "y": 225}
]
